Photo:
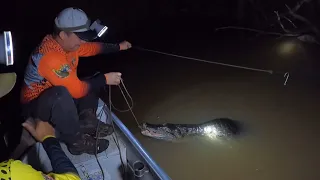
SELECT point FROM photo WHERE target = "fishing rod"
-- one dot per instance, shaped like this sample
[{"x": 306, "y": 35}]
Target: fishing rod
[{"x": 286, "y": 75}]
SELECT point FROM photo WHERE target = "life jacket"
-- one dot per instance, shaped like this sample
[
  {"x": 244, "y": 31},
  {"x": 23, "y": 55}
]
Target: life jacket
[{"x": 16, "y": 170}]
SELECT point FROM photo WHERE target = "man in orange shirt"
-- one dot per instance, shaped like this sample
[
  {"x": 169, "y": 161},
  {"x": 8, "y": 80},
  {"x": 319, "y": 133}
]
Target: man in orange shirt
[{"x": 52, "y": 91}]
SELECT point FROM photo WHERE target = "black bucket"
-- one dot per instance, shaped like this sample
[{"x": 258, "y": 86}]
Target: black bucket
[{"x": 139, "y": 169}]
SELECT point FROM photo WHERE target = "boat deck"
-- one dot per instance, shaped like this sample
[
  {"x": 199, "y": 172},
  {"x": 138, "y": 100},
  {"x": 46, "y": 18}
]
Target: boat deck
[
  {"x": 137, "y": 161},
  {"x": 86, "y": 164},
  {"x": 110, "y": 161}
]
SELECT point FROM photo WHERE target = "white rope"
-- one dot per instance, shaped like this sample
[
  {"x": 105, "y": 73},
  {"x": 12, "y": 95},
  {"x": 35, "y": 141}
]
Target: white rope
[
  {"x": 130, "y": 107},
  {"x": 109, "y": 116},
  {"x": 286, "y": 75},
  {"x": 206, "y": 61},
  {"x": 125, "y": 91}
]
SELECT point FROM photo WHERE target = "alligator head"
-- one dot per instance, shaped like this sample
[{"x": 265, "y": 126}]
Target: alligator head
[{"x": 157, "y": 132}]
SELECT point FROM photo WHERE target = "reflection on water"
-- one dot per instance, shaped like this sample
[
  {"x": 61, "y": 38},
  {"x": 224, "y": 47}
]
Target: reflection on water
[{"x": 282, "y": 122}]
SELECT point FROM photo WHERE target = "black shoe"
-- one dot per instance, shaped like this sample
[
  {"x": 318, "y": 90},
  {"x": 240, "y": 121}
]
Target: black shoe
[
  {"x": 89, "y": 122},
  {"x": 87, "y": 144}
]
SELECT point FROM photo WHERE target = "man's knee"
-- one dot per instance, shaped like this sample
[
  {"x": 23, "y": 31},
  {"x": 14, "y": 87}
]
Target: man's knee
[
  {"x": 46, "y": 100},
  {"x": 55, "y": 102},
  {"x": 57, "y": 106}
]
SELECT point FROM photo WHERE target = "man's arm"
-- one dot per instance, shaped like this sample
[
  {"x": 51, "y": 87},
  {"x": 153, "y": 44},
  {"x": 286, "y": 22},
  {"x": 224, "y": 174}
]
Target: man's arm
[
  {"x": 51, "y": 68},
  {"x": 95, "y": 48},
  {"x": 60, "y": 163}
]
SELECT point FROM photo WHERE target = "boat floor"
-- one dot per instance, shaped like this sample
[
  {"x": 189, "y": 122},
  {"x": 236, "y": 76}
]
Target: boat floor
[
  {"x": 109, "y": 160},
  {"x": 87, "y": 165}
]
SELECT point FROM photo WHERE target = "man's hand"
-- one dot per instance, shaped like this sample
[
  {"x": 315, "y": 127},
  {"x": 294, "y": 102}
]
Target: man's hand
[
  {"x": 125, "y": 45},
  {"x": 113, "y": 78},
  {"x": 39, "y": 130}
]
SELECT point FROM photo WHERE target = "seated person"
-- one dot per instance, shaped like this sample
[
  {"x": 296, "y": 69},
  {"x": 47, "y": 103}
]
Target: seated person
[
  {"x": 52, "y": 91},
  {"x": 63, "y": 169}
]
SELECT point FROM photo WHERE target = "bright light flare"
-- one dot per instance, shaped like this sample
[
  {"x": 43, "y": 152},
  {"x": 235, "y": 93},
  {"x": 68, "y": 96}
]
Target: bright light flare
[
  {"x": 104, "y": 29},
  {"x": 8, "y": 46},
  {"x": 210, "y": 131},
  {"x": 288, "y": 48}
]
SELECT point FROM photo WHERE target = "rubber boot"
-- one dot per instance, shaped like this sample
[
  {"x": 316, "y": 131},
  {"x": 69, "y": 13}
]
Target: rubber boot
[
  {"x": 87, "y": 144},
  {"x": 89, "y": 123}
]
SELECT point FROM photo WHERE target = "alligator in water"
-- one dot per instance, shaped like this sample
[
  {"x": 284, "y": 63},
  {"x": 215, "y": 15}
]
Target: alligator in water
[{"x": 216, "y": 128}]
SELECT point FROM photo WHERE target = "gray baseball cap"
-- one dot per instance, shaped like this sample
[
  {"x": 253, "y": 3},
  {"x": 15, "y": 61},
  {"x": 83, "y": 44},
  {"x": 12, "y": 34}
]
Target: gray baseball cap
[{"x": 76, "y": 20}]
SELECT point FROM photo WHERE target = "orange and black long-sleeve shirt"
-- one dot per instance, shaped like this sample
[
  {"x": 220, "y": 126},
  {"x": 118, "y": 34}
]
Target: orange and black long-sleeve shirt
[{"x": 49, "y": 65}]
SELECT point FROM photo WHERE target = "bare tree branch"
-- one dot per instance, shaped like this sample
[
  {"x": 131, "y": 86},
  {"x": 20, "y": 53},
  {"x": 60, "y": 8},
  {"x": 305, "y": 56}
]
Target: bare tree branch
[
  {"x": 279, "y": 21},
  {"x": 287, "y": 33},
  {"x": 303, "y": 19},
  {"x": 297, "y": 7},
  {"x": 290, "y": 21},
  {"x": 307, "y": 38}
]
